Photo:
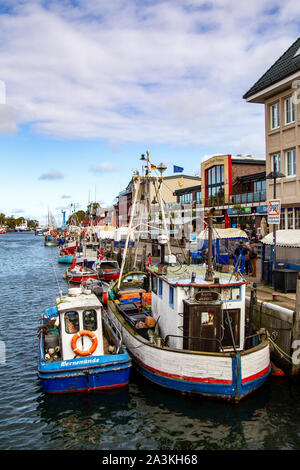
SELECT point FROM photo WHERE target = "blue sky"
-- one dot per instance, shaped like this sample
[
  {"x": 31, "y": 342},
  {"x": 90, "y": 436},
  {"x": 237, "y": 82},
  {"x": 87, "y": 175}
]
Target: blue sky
[{"x": 90, "y": 85}]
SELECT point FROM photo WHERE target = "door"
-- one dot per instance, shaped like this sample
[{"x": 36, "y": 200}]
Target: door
[{"x": 202, "y": 326}]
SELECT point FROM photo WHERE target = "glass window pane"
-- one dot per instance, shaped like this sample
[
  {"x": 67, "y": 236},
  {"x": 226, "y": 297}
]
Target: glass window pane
[
  {"x": 71, "y": 322},
  {"x": 297, "y": 218},
  {"x": 90, "y": 320},
  {"x": 290, "y": 218}
]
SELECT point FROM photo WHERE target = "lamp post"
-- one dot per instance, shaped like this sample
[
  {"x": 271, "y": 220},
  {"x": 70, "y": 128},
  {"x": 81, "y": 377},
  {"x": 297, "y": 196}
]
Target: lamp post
[{"x": 274, "y": 175}]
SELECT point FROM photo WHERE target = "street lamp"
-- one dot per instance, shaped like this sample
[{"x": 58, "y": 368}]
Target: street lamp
[{"x": 273, "y": 176}]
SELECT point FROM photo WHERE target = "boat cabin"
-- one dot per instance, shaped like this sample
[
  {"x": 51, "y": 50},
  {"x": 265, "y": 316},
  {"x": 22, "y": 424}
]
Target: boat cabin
[
  {"x": 196, "y": 314},
  {"x": 78, "y": 312}
]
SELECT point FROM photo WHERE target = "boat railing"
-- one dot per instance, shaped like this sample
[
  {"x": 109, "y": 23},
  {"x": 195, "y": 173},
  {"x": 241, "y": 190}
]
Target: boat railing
[
  {"x": 194, "y": 337},
  {"x": 115, "y": 330},
  {"x": 252, "y": 340}
]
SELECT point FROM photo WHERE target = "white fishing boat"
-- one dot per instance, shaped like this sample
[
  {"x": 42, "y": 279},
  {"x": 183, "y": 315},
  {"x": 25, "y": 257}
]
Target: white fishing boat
[{"x": 185, "y": 325}]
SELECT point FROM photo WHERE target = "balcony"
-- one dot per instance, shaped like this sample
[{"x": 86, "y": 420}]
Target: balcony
[
  {"x": 234, "y": 199},
  {"x": 246, "y": 198}
]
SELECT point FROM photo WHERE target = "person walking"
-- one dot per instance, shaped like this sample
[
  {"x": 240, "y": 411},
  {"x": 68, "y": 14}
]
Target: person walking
[
  {"x": 247, "y": 259},
  {"x": 239, "y": 253},
  {"x": 253, "y": 259}
]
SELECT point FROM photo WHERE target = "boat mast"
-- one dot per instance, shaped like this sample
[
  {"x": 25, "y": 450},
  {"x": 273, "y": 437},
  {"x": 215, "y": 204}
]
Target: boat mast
[{"x": 137, "y": 180}]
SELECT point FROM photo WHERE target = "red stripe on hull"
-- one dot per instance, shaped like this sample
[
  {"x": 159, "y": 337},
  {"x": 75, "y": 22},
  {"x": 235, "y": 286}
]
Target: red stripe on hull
[
  {"x": 107, "y": 387},
  {"x": 257, "y": 376},
  {"x": 82, "y": 278}
]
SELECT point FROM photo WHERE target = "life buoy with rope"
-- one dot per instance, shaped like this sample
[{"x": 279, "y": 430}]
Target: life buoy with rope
[{"x": 84, "y": 333}]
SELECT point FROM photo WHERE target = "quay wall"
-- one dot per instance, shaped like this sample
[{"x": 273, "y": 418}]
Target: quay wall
[{"x": 278, "y": 321}]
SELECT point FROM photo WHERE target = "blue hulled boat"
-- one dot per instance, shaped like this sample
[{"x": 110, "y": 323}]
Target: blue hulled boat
[{"x": 79, "y": 349}]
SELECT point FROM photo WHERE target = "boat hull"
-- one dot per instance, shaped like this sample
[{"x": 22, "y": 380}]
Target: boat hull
[
  {"x": 110, "y": 276},
  {"x": 66, "y": 259},
  {"x": 78, "y": 279},
  {"x": 85, "y": 374},
  {"x": 51, "y": 243},
  {"x": 111, "y": 375},
  {"x": 226, "y": 376}
]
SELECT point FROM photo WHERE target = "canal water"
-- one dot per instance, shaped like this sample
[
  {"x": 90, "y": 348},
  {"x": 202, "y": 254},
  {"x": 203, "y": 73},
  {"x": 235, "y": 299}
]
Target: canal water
[{"x": 142, "y": 416}]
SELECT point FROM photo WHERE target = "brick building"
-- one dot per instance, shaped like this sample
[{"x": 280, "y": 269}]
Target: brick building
[{"x": 234, "y": 186}]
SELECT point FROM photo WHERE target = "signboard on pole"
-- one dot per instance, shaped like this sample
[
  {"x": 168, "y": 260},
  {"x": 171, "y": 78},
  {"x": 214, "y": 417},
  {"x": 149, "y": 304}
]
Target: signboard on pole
[{"x": 274, "y": 207}]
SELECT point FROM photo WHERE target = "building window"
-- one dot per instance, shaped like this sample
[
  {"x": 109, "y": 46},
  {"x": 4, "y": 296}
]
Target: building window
[
  {"x": 275, "y": 116},
  {"x": 186, "y": 198},
  {"x": 297, "y": 218},
  {"x": 215, "y": 186},
  {"x": 282, "y": 219},
  {"x": 276, "y": 159},
  {"x": 171, "y": 296},
  {"x": 289, "y": 111},
  {"x": 198, "y": 196},
  {"x": 160, "y": 287},
  {"x": 290, "y": 218},
  {"x": 291, "y": 163}
]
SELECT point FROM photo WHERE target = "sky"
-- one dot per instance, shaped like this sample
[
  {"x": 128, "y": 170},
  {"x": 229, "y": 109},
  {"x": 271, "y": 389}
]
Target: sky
[{"x": 88, "y": 86}]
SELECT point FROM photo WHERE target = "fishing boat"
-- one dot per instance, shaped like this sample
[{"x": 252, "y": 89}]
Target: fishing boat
[
  {"x": 107, "y": 270},
  {"x": 79, "y": 348},
  {"x": 185, "y": 325},
  {"x": 67, "y": 253},
  {"x": 50, "y": 240},
  {"x": 79, "y": 274}
]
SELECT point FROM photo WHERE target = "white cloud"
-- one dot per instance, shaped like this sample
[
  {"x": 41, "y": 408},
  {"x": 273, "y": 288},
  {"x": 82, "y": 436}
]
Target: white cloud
[
  {"x": 103, "y": 167},
  {"x": 163, "y": 72},
  {"x": 51, "y": 175}
]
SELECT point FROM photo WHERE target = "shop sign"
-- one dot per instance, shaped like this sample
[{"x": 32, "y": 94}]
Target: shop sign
[
  {"x": 261, "y": 209},
  {"x": 243, "y": 210},
  {"x": 274, "y": 211}
]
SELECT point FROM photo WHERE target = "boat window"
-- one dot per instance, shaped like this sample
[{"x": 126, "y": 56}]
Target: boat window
[
  {"x": 160, "y": 287},
  {"x": 154, "y": 284},
  {"x": 207, "y": 318},
  {"x": 90, "y": 320},
  {"x": 171, "y": 296},
  {"x": 71, "y": 322}
]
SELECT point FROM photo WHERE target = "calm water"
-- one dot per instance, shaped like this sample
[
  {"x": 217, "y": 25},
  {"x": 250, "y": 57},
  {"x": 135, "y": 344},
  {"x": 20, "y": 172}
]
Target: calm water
[{"x": 140, "y": 417}]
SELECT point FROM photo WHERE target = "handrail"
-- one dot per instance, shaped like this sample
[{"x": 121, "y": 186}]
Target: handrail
[{"x": 194, "y": 337}]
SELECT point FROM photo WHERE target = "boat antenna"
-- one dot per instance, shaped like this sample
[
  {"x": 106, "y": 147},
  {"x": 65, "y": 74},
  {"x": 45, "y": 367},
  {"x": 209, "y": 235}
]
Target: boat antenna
[{"x": 209, "y": 269}]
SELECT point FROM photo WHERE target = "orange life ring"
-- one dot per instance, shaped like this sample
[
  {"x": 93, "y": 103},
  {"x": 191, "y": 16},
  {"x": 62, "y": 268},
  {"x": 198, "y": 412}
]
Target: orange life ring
[{"x": 92, "y": 348}]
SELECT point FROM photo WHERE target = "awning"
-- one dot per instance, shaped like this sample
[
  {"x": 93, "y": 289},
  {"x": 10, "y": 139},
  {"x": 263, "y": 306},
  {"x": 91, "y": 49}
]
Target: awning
[{"x": 289, "y": 238}]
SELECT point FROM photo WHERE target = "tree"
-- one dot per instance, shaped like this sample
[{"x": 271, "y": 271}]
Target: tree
[{"x": 78, "y": 216}]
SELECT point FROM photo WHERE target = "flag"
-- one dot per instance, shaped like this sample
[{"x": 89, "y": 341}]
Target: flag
[
  {"x": 177, "y": 169},
  {"x": 153, "y": 167}
]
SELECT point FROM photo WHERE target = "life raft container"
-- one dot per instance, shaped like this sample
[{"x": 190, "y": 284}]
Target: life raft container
[{"x": 93, "y": 346}]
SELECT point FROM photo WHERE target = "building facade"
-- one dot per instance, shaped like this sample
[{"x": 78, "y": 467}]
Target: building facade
[
  {"x": 235, "y": 187},
  {"x": 278, "y": 89}
]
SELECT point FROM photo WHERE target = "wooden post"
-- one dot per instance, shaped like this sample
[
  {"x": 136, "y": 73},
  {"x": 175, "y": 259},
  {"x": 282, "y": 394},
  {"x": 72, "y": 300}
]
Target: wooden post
[{"x": 295, "y": 337}]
